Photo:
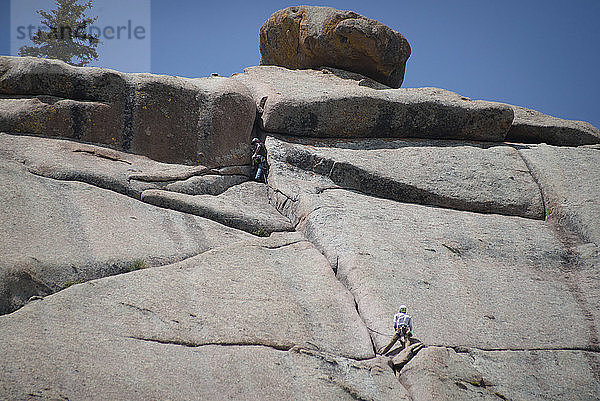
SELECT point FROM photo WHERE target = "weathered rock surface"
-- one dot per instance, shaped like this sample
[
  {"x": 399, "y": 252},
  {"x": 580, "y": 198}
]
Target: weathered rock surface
[
  {"x": 54, "y": 233},
  {"x": 495, "y": 247},
  {"x": 240, "y": 206},
  {"x": 458, "y": 269},
  {"x": 321, "y": 104},
  {"x": 571, "y": 186},
  {"x": 171, "y": 119},
  {"x": 157, "y": 371},
  {"x": 213, "y": 326},
  {"x": 531, "y": 126},
  {"x": 244, "y": 206},
  {"x": 439, "y": 373},
  {"x": 92, "y": 121},
  {"x": 194, "y": 121},
  {"x": 458, "y": 175},
  {"x": 106, "y": 168},
  {"x": 310, "y": 37},
  {"x": 209, "y": 184},
  {"x": 508, "y": 278}
]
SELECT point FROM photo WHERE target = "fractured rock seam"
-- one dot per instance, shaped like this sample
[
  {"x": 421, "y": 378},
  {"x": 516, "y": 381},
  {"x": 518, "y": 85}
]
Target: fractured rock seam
[
  {"x": 410, "y": 193},
  {"x": 535, "y": 179},
  {"x": 335, "y": 272},
  {"x": 224, "y": 344},
  {"x": 100, "y": 182},
  {"x": 568, "y": 239},
  {"x": 460, "y": 349}
]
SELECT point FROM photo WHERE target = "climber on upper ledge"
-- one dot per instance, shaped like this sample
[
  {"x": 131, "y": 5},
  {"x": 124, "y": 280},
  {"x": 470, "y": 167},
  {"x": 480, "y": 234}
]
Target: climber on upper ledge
[
  {"x": 403, "y": 327},
  {"x": 259, "y": 160}
]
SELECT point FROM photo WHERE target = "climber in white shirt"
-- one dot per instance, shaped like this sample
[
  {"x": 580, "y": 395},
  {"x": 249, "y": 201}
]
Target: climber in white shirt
[
  {"x": 403, "y": 327},
  {"x": 403, "y": 319}
]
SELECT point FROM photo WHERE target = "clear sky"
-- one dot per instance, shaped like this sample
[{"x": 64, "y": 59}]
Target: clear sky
[{"x": 541, "y": 54}]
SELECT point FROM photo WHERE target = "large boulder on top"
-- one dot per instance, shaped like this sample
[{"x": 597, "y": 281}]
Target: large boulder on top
[
  {"x": 311, "y": 37},
  {"x": 204, "y": 121}
]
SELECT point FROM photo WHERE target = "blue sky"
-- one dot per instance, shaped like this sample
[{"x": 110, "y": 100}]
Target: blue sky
[{"x": 538, "y": 54}]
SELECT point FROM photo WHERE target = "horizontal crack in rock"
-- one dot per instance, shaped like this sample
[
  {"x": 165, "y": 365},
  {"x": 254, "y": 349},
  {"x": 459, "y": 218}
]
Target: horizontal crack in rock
[
  {"x": 150, "y": 177},
  {"x": 413, "y": 194},
  {"x": 278, "y": 347},
  {"x": 462, "y": 349},
  {"x": 283, "y": 245},
  {"x": 101, "y": 155}
]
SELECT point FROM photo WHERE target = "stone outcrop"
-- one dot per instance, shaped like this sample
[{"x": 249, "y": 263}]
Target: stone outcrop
[
  {"x": 222, "y": 195},
  {"x": 244, "y": 206},
  {"x": 56, "y": 233},
  {"x": 311, "y": 37},
  {"x": 439, "y": 373},
  {"x": 494, "y": 271},
  {"x": 123, "y": 276},
  {"x": 457, "y": 175},
  {"x": 321, "y": 104},
  {"x": 530, "y": 126},
  {"x": 471, "y": 264},
  {"x": 570, "y": 185},
  {"x": 218, "y": 324},
  {"x": 177, "y": 120}
]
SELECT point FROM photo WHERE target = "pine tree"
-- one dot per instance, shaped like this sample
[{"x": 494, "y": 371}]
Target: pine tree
[{"x": 68, "y": 37}]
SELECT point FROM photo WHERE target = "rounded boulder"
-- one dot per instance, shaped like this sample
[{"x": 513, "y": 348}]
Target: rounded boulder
[{"x": 311, "y": 37}]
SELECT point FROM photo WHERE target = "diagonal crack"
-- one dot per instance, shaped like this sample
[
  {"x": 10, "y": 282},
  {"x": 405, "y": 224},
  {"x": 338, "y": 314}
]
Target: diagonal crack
[
  {"x": 333, "y": 269},
  {"x": 355, "y": 178}
]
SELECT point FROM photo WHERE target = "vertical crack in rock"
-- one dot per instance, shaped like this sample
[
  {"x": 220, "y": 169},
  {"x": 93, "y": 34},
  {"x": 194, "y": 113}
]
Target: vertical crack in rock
[
  {"x": 363, "y": 320},
  {"x": 77, "y": 119},
  {"x": 570, "y": 265},
  {"x": 128, "y": 117},
  {"x": 334, "y": 269},
  {"x": 535, "y": 179}
]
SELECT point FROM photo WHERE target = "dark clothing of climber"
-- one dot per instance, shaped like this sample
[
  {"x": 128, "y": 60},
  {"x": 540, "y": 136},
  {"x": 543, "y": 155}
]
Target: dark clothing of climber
[{"x": 259, "y": 160}]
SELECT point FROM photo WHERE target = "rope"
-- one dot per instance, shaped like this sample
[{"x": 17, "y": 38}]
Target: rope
[{"x": 375, "y": 331}]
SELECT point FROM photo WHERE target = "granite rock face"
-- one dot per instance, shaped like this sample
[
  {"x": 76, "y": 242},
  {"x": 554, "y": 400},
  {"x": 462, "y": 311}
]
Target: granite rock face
[
  {"x": 531, "y": 126},
  {"x": 123, "y": 277},
  {"x": 56, "y": 233},
  {"x": 212, "y": 326},
  {"x": 244, "y": 206},
  {"x": 510, "y": 279},
  {"x": 177, "y": 120},
  {"x": 311, "y": 37},
  {"x": 450, "y": 174},
  {"x": 321, "y": 104},
  {"x": 442, "y": 373}
]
